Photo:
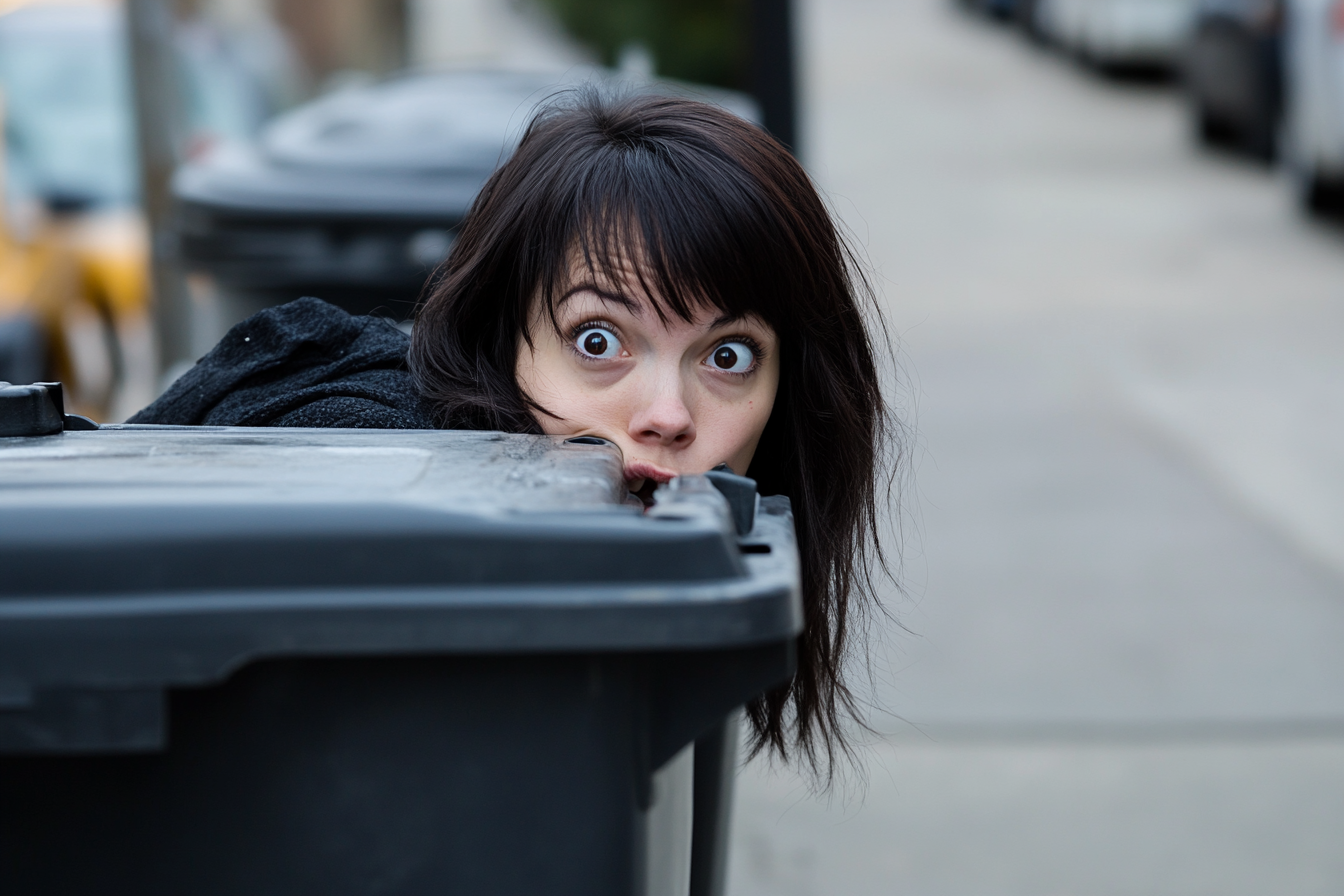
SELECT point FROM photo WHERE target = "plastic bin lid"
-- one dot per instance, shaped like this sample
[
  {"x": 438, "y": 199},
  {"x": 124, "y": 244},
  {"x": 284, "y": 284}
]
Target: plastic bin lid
[
  {"x": 417, "y": 145},
  {"x": 171, "y": 555}
]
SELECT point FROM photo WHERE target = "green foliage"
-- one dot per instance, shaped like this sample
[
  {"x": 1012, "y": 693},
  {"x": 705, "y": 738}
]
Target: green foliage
[{"x": 694, "y": 40}]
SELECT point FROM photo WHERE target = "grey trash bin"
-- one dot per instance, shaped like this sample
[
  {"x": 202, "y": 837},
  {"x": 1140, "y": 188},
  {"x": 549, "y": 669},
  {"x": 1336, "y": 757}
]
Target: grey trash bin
[
  {"x": 340, "y": 661},
  {"x": 357, "y": 196}
]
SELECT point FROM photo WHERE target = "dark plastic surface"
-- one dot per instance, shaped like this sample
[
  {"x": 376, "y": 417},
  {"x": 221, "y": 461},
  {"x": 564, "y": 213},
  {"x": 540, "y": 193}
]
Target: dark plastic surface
[
  {"x": 152, "y": 557},
  {"x": 503, "y": 775},
  {"x": 31, "y": 410},
  {"x": 715, "y": 769},
  {"x": 326, "y": 661},
  {"x": 740, "y": 492},
  {"x": 414, "y": 146}
]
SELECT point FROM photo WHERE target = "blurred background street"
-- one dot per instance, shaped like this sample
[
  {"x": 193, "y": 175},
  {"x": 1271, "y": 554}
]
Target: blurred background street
[
  {"x": 1125, "y": 561},
  {"x": 1107, "y": 235}
]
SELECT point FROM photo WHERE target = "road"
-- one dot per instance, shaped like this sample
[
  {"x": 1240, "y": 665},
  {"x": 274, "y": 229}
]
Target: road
[{"x": 1124, "y": 543}]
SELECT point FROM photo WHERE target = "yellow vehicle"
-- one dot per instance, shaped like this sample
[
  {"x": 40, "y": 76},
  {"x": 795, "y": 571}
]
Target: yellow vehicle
[
  {"x": 74, "y": 260},
  {"x": 73, "y": 307}
]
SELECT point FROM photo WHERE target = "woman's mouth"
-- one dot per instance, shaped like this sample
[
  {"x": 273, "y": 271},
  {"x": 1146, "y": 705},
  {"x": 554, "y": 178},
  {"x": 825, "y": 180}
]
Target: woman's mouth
[{"x": 642, "y": 478}]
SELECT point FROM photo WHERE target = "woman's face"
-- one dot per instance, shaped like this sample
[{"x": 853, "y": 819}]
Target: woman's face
[{"x": 675, "y": 396}]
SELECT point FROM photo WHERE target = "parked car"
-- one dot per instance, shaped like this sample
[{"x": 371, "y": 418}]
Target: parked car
[
  {"x": 73, "y": 253},
  {"x": 1314, "y": 108},
  {"x": 1027, "y": 16},
  {"x": 1234, "y": 73},
  {"x": 1118, "y": 33},
  {"x": 356, "y": 197},
  {"x": 999, "y": 9},
  {"x": 74, "y": 259}
]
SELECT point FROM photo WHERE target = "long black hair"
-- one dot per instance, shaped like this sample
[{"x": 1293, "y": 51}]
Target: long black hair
[{"x": 720, "y": 215}]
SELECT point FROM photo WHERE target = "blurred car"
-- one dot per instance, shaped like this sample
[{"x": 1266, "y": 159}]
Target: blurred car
[
  {"x": 1314, "y": 107},
  {"x": 1118, "y": 33},
  {"x": 73, "y": 253},
  {"x": 74, "y": 259},
  {"x": 1027, "y": 16},
  {"x": 999, "y": 9},
  {"x": 356, "y": 197},
  {"x": 1234, "y": 73}
]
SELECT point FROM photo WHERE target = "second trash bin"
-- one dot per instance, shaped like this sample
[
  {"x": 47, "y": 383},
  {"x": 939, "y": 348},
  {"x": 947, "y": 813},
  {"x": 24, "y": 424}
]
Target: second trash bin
[
  {"x": 322, "y": 661},
  {"x": 356, "y": 197}
]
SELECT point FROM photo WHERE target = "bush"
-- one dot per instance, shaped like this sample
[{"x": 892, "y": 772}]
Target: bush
[{"x": 693, "y": 40}]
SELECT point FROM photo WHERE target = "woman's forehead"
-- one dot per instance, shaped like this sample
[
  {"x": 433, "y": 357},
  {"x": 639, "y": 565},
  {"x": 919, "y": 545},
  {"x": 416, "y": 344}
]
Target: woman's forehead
[
  {"x": 614, "y": 264},
  {"x": 626, "y": 278}
]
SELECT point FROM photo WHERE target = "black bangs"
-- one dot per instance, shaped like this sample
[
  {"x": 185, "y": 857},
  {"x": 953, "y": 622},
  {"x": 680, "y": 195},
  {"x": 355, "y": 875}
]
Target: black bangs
[{"x": 679, "y": 221}]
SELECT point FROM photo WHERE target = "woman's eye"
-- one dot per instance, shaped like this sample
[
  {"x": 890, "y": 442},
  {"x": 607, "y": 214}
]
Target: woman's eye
[
  {"x": 732, "y": 357},
  {"x": 596, "y": 342}
]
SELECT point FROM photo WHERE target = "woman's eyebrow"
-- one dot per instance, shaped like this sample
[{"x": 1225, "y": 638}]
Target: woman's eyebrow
[
  {"x": 726, "y": 319},
  {"x": 605, "y": 295}
]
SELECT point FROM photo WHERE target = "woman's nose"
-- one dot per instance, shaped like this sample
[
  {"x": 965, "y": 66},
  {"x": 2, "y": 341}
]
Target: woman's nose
[{"x": 664, "y": 419}]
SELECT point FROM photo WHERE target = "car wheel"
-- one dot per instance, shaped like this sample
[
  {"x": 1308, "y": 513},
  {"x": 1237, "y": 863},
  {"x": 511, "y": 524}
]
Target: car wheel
[
  {"x": 1210, "y": 130},
  {"x": 1317, "y": 193}
]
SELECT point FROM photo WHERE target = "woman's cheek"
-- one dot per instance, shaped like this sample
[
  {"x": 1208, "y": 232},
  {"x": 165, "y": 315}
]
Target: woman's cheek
[
  {"x": 748, "y": 418},
  {"x": 590, "y": 407},
  {"x": 734, "y": 424}
]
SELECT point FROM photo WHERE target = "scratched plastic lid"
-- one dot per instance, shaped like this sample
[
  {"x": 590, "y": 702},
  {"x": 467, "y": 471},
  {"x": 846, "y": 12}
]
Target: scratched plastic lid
[{"x": 157, "y": 556}]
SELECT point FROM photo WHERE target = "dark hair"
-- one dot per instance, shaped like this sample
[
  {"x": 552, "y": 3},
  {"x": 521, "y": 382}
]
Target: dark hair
[{"x": 723, "y": 216}]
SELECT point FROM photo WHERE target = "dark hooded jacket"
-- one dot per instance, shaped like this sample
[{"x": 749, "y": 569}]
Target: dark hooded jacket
[{"x": 306, "y": 363}]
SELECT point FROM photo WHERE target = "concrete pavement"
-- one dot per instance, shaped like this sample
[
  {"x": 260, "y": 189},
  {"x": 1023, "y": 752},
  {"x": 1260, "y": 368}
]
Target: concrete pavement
[{"x": 1125, "y": 580}]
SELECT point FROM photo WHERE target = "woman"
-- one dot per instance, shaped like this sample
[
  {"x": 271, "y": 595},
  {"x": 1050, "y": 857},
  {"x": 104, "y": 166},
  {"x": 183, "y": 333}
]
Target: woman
[{"x": 653, "y": 271}]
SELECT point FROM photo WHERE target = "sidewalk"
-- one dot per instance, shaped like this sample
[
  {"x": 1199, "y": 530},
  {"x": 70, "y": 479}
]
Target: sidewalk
[{"x": 1127, "y": 577}]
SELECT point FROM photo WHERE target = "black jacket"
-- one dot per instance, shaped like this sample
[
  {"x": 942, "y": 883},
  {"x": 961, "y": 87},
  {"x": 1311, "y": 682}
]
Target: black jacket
[{"x": 306, "y": 363}]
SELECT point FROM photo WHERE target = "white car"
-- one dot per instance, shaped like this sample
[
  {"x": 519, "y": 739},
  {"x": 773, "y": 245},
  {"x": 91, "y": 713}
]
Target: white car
[
  {"x": 1314, "y": 113},
  {"x": 1119, "y": 32}
]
